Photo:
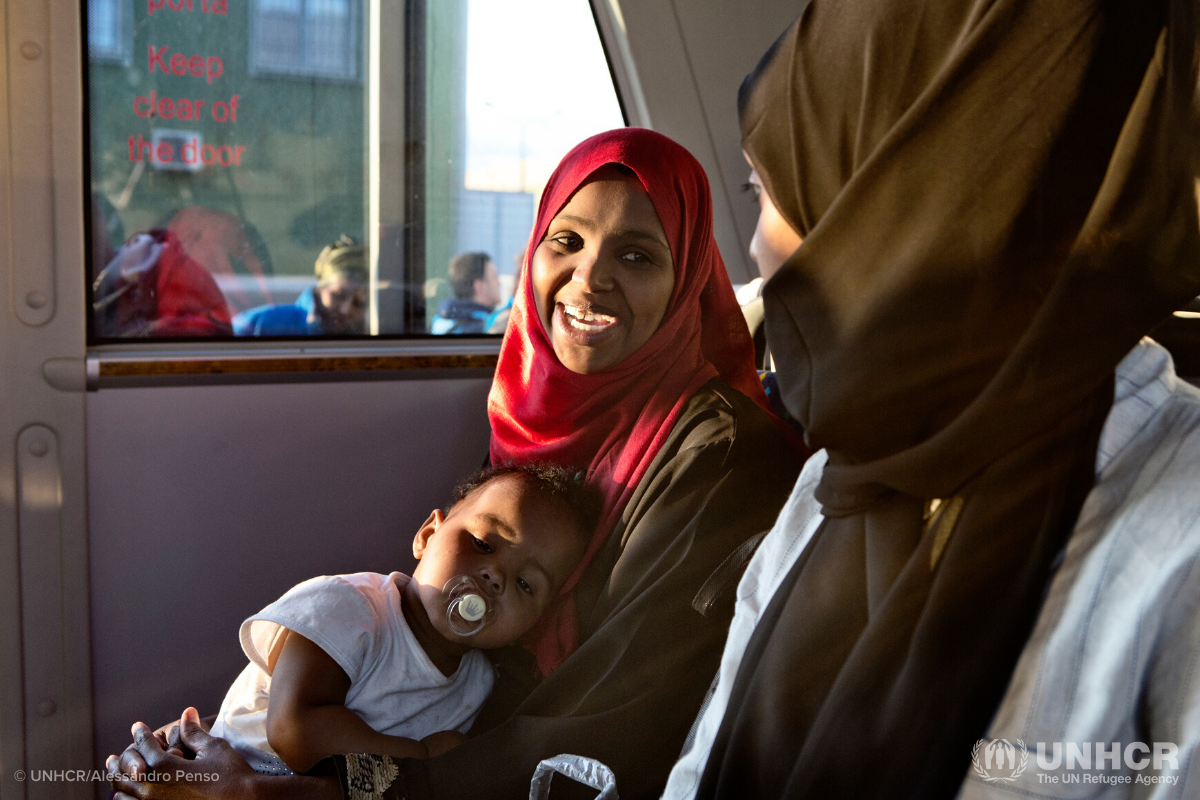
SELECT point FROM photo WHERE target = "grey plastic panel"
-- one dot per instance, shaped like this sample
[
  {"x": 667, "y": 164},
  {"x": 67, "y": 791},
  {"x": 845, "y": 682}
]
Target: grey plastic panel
[
  {"x": 691, "y": 57},
  {"x": 44, "y": 635},
  {"x": 39, "y": 508},
  {"x": 725, "y": 42},
  {"x": 34, "y": 290}
]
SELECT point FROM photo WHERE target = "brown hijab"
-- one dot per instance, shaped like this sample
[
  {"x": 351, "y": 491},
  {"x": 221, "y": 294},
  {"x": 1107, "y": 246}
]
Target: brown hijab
[{"x": 997, "y": 200}]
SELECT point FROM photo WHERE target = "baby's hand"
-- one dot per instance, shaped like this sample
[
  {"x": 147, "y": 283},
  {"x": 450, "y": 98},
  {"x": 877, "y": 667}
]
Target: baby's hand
[
  {"x": 168, "y": 737},
  {"x": 440, "y": 742}
]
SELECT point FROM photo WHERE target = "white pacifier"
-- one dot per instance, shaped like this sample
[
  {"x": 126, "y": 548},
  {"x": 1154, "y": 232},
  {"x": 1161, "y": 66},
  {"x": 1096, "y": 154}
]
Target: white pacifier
[{"x": 468, "y": 610}]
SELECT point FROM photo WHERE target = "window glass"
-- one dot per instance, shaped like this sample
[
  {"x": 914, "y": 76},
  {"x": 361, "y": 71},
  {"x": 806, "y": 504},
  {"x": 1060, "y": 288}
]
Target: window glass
[{"x": 291, "y": 168}]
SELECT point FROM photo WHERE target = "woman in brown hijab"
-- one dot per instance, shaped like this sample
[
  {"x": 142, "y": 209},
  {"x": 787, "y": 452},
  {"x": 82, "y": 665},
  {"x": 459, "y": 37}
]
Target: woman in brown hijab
[{"x": 996, "y": 200}]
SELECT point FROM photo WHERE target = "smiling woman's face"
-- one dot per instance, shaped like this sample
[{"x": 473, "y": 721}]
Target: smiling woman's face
[{"x": 603, "y": 274}]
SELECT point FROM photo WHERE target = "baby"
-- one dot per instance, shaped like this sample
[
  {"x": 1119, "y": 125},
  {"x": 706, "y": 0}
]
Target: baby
[{"x": 389, "y": 664}]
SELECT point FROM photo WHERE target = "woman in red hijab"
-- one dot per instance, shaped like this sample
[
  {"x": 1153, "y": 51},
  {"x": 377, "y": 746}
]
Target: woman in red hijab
[
  {"x": 617, "y": 325},
  {"x": 626, "y": 355}
]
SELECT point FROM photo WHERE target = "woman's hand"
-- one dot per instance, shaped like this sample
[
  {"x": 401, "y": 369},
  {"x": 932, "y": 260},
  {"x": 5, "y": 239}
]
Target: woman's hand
[{"x": 215, "y": 772}]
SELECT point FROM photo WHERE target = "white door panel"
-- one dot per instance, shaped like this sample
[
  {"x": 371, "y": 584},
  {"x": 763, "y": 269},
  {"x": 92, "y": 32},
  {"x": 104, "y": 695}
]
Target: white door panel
[{"x": 45, "y": 682}]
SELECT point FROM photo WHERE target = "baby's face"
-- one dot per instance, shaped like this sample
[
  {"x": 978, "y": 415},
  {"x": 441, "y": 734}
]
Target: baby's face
[{"x": 518, "y": 545}]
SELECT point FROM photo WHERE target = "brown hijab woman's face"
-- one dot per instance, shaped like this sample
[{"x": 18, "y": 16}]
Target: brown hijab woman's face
[{"x": 774, "y": 239}]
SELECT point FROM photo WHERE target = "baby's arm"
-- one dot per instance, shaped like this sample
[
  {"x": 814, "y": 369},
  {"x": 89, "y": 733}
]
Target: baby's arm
[
  {"x": 306, "y": 716},
  {"x": 440, "y": 742}
]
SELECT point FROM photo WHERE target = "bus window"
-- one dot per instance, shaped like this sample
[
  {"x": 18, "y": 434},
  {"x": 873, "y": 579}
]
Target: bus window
[{"x": 336, "y": 168}]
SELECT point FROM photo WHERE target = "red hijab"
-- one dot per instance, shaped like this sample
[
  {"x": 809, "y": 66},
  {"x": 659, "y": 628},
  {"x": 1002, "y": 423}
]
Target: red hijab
[{"x": 614, "y": 422}]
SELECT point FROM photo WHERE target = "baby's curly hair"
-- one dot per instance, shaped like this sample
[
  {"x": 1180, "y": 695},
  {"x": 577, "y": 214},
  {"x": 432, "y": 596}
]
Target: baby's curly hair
[{"x": 565, "y": 486}]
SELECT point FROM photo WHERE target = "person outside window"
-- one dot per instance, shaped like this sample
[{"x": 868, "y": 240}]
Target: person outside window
[
  {"x": 336, "y": 305},
  {"x": 476, "y": 285}
]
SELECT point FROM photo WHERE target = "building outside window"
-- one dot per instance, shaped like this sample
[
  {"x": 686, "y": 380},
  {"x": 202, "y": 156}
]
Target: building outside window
[
  {"x": 305, "y": 38},
  {"x": 109, "y": 35}
]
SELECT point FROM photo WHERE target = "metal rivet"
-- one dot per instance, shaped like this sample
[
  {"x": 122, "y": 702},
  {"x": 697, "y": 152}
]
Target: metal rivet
[
  {"x": 31, "y": 50},
  {"x": 35, "y": 299},
  {"x": 47, "y": 707},
  {"x": 39, "y": 447}
]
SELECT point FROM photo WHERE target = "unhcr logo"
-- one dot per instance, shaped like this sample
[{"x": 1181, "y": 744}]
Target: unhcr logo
[
  {"x": 1112, "y": 763},
  {"x": 999, "y": 760}
]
